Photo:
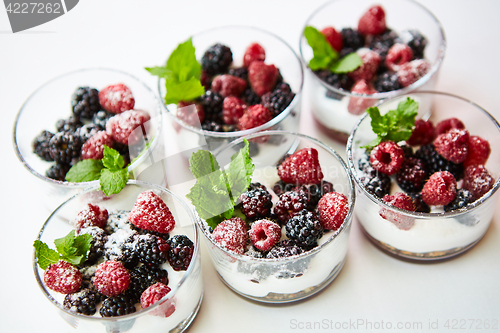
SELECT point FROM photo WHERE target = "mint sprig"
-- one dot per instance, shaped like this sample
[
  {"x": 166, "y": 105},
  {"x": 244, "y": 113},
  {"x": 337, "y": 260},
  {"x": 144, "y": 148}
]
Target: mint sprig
[
  {"x": 326, "y": 57},
  {"x": 69, "y": 248},
  {"x": 396, "y": 125},
  {"x": 216, "y": 190},
  {"x": 110, "y": 171},
  {"x": 181, "y": 73}
]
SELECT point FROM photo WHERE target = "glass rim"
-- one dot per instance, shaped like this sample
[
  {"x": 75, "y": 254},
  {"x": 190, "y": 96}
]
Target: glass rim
[
  {"x": 131, "y": 167},
  {"x": 421, "y": 215},
  {"x": 276, "y": 120},
  {"x": 388, "y": 94},
  {"x": 170, "y": 295},
  {"x": 345, "y": 225}
]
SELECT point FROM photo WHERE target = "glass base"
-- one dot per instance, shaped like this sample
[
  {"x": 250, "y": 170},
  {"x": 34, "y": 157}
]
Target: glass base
[
  {"x": 276, "y": 298},
  {"x": 419, "y": 256}
]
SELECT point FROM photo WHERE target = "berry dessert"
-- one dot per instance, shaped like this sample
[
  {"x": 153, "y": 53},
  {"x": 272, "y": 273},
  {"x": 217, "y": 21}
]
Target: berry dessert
[
  {"x": 117, "y": 262},
  {"x": 98, "y": 119},
  {"x": 281, "y": 216},
  {"x": 427, "y": 167}
]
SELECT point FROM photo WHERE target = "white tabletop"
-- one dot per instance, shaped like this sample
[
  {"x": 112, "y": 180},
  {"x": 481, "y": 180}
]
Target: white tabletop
[{"x": 373, "y": 288}]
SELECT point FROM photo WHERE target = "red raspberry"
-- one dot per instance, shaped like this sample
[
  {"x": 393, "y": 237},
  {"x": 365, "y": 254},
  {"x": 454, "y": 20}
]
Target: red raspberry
[
  {"x": 206, "y": 80},
  {"x": 372, "y": 22},
  {"x": 477, "y": 180},
  {"x": 228, "y": 85},
  {"x": 371, "y": 61},
  {"x": 290, "y": 204},
  {"x": 233, "y": 109},
  {"x": 190, "y": 113},
  {"x": 63, "y": 277},
  {"x": 453, "y": 145},
  {"x": 332, "y": 210},
  {"x": 153, "y": 294},
  {"x": 255, "y": 116},
  {"x": 122, "y": 127},
  {"x": 412, "y": 71},
  {"x": 423, "y": 133},
  {"x": 116, "y": 98},
  {"x": 301, "y": 168},
  {"x": 440, "y": 189},
  {"x": 254, "y": 52},
  {"x": 111, "y": 278},
  {"x": 262, "y": 77},
  {"x": 151, "y": 213},
  {"x": 91, "y": 216},
  {"x": 447, "y": 124},
  {"x": 387, "y": 157},
  {"x": 334, "y": 38},
  {"x": 232, "y": 235},
  {"x": 358, "y": 105},
  {"x": 264, "y": 234},
  {"x": 402, "y": 201},
  {"x": 93, "y": 148},
  {"x": 398, "y": 55},
  {"x": 479, "y": 151}
]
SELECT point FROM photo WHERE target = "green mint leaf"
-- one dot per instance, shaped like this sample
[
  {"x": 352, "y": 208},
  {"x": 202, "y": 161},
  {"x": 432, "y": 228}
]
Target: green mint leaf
[
  {"x": 44, "y": 255},
  {"x": 64, "y": 245},
  {"x": 82, "y": 244},
  {"x": 85, "y": 171},
  {"x": 239, "y": 172},
  {"x": 74, "y": 259},
  {"x": 183, "y": 91},
  {"x": 203, "y": 163},
  {"x": 78, "y": 250},
  {"x": 159, "y": 71},
  {"x": 112, "y": 159},
  {"x": 347, "y": 64},
  {"x": 323, "y": 52},
  {"x": 182, "y": 62},
  {"x": 113, "y": 181}
]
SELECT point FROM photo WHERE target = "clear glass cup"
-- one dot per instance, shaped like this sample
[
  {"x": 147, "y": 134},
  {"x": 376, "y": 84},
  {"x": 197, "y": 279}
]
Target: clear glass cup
[
  {"x": 435, "y": 235},
  {"x": 329, "y": 105},
  {"x": 297, "y": 277},
  {"x": 187, "y": 288},
  {"x": 52, "y": 101},
  {"x": 238, "y": 38}
]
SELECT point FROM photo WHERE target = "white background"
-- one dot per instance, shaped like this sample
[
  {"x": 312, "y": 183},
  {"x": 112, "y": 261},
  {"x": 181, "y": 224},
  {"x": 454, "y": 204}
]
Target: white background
[{"x": 129, "y": 35}]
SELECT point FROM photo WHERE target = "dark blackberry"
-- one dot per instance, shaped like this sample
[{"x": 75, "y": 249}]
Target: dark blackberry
[
  {"x": 123, "y": 149},
  {"x": 118, "y": 306},
  {"x": 364, "y": 163},
  {"x": 68, "y": 125},
  {"x": 250, "y": 97},
  {"x": 83, "y": 301},
  {"x": 212, "y": 106},
  {"x": 101, "y": 118},
  {"x": 283, "y": 249},
  {"x": 345, "y": 51},
  {"x": 289, "y": 204},
  {"x": 339, "y": 81},
  {"x": 387, "y": 81},
  {"x": 216, "y": 59},
  {"x": 240, "y": 72},
  {"x": 352, "y": 38},
  {"x": 376, "y": 182},
  {"x": 407, "y": 150},
  {"x": 305, "y": 229},
  {"x": 58, "y": 171},
  {"x": 87, "y": 131},
  {"x": 277, "y": 101},
  {"x": 382, "y": 43},
  {"x": 99, "y": 239},
  {"x": 180, "y": 253},
  {"x": 314, "y": 192},
  {"x": 283, "y": 87},
  {"x": 420, "y": 205},
  {"x": 151, "y": 249},
  {"x": 142, "y": 277},
  {"x": 65, "y": 146},
  {"x": 256, "y": 185},
  {"x": 85, "y": 102},
  {"x": 211, "y": 126},
  {"x": 140, "y": 231},
  {"x": 122, "y": 250},
  {"x": 256, "y": 203},
  {"x": 281, "y": 187},
  {"x": 463, "y": 198},
  {"x": 415, "y": 41},
  {"x": 412, "y": 175},
  {"x": 435, "y": 162},
  {"x": 41, "y": 145},
  {"x": 87, "y": 283}
]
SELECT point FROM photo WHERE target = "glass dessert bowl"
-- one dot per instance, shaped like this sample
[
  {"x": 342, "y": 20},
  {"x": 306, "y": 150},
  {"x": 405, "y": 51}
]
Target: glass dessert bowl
[
  {"x": 34, "y": 130},
  {"x": 450, "y": 174},
  {"x": 172, "y": 312},
  {"x": 217, "y": 124},
  {"x": 403, "y": 55},
  {"x": 266, "y": 251}
]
